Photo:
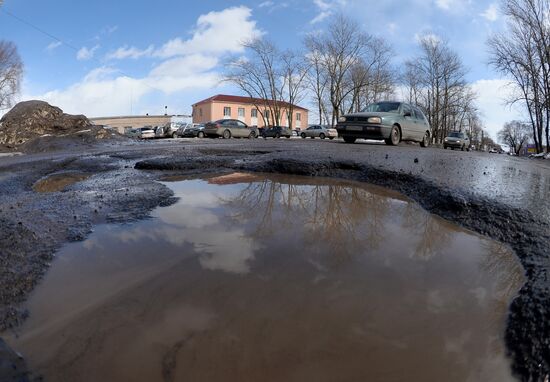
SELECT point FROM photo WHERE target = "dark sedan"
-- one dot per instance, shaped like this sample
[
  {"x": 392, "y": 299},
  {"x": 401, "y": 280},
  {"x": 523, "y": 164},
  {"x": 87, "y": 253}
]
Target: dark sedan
[
  {"x": 196, "y": 131},
  {"x": 277, "y": 132}
]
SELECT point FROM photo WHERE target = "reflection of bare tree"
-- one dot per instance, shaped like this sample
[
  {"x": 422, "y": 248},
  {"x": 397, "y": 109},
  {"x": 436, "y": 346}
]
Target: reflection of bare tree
[
  {"x": 340, "y": 216},
  {"x": 432, "y": 234}
]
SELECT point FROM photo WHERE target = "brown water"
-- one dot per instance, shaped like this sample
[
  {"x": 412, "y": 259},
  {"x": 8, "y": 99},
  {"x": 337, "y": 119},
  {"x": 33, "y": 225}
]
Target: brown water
[
  {"x": 254, "y": 278},
  {"x": 57, "y": 182}
]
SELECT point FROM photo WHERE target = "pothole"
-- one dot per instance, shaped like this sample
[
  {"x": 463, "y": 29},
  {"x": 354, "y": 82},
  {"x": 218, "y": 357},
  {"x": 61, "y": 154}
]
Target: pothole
[
  {"x": 275, "y": 278},
  {"x": 58, "y": 182}
]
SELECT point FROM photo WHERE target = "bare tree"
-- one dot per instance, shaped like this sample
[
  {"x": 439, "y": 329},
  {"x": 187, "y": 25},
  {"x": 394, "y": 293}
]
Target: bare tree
[
  {"x": 275, "y": 79},
  {"x": 515, "y": 134},
  {"x": 348, "y": 67},
  {"x": 521, "y": 53},
  {"x": 294, "y": 70},
  {"x": 435, "y": 81},
  {"x": 11, "y": 70}
]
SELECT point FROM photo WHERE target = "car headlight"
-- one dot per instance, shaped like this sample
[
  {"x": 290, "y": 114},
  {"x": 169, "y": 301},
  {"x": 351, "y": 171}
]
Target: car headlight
[
  {"x": 446, "y": 140},
  {"x": 342, "y": 119},
  {"x": 374, "y": 120}
]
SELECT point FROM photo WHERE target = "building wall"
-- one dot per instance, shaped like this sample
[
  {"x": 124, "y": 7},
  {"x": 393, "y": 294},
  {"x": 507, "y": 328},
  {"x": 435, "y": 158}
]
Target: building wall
[
  {"x": 120, "y": 123},
  {"x": 213, "y": 111}
]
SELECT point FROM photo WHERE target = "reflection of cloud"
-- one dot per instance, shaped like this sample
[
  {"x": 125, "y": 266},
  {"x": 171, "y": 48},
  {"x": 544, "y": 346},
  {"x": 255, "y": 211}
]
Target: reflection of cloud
[
  {"x": 229, "y": 252},
  {"x": 193, "y": 221},
  {"x": 186, "y": 216}
]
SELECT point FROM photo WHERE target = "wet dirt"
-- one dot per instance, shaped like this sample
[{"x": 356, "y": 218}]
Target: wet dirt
[
  {"x": 264, "y": 277},
  {"x": 58, "y": 182}
]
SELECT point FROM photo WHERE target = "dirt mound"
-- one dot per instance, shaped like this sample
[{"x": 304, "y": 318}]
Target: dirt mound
[{"x": 30, "y": 121}]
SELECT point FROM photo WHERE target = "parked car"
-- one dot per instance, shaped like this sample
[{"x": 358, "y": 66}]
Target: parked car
[
  {"x": 192, "y": 131},
  {"x": 457, "y": 140},
  {"x": 168, "y": 130},
  {"x": 390, "y": 121},
  {"x": 277, "y": 132},
  {"x": 318, "y": 131},
  {"x": 228, "y": 128},
  {"x": 142, "y": 132}
]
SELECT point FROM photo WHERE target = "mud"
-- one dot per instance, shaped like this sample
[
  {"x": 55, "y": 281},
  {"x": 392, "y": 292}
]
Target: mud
[
  {"x": 58, "y": 182},
  {"x": 500, "y": 197},
  {"x": 275, "y": 278}
]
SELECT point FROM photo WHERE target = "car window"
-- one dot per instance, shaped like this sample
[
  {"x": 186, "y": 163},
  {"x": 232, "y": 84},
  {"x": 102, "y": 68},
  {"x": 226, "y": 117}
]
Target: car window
[
  {"x": 241, "y": 125},
  {"x": 386, "y": 107},
  {"x": 407, "y": 109},
  {"x": 456, "y": 134}
]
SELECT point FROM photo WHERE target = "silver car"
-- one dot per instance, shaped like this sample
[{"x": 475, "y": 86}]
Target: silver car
[
  {"x": 146, "y": 132},
  {"x": 318, "y": 131},
  {"x": 457, "y": 140},
  {"x": 390, "y": 121},
  {"x": 228, "y": 128}
]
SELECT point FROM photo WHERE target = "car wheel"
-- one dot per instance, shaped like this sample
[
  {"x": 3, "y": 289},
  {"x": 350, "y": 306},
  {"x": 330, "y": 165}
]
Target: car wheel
[
  {"x": 322, "y": 136},
  {"x": 288, "y": 137},
  {"x": 444, "y": 147},
  {"x": 226, "y": 134},
  {"x": 331, "y": 138},
  {"x": 395, "y": 136},
  {"x": 277, "y": 135},
  {"x": 462, "y": 148},
  {"x": 174, "y": 135},
  {"x": 200, "y": 134},
  {"x": 252, "y": 135},
  {"x": 349, "y": 139},
  {"x": 303, "y": 135},
  {"x": 426, "y": 140}
]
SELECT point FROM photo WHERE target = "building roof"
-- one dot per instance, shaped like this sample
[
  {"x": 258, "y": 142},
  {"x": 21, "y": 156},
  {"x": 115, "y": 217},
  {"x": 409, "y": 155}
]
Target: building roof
[{"x": 243, "y": 100}]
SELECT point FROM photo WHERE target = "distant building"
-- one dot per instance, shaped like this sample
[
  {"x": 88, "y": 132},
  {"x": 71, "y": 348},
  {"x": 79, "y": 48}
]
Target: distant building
[
  {"x": 252, "y": 111},
  {"x": 123, "y": 123}
]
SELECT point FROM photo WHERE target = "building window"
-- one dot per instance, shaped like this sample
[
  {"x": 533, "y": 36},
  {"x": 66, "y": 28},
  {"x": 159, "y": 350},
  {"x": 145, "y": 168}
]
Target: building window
[
  {"x": 241, "y": 112},
  {"x": 298, "y": 116},
  {"x": 266, "y": 114},
  {"x": 227, "y": 111},
  {"x": 254, "y": 113},
  {"x": 200, "y": 112}
]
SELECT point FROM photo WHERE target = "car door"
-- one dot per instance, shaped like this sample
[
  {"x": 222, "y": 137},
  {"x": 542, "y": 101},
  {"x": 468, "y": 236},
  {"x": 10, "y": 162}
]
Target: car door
[
  {"x": 243, "y": 130},
  {"x": 409, "y": 129}
]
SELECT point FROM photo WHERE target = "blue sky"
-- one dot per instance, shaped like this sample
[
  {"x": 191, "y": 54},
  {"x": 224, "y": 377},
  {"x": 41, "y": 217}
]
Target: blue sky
[{"x": 133, "y": 57}]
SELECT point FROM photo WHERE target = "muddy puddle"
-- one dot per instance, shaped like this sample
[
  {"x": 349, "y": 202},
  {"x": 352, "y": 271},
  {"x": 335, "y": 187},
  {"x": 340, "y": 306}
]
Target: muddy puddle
[
  {"x": 255, "y": 278},
  {"x": 58, "y": 182}
]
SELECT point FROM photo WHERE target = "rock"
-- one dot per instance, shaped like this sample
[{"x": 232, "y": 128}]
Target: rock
[{"x": 33, "y": 119}]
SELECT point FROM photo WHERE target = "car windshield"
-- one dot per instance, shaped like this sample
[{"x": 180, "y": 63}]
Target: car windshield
[
  {"x": 456, "y": 135},
  {"x": 385, "y": 107}
]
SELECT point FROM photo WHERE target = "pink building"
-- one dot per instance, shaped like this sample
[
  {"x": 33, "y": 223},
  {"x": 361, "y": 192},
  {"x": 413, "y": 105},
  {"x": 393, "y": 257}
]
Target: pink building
[{"x": 246, "y": 109}]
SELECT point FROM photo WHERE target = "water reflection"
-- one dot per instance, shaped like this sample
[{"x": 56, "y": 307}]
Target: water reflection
[{"x": 254, "y": 278}]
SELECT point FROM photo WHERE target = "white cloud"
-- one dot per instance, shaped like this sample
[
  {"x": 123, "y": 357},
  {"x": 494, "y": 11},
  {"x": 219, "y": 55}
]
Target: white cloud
[
  {"x": 191, "y": 64},
  {"x": 492, "y": 96},
  {"x": 326, "y": 8},
  {"x": 85, "y": 54},
  {"x": 130, "y": 52},
  {"x": 53, "y": 46},
  {"x": 216, "y": 33},
  {"x": 270, "y": 6},
  {"x": 452, "y": 5},
  {"x": 491, "y": 13},
  {"x": 431, "y": 37}
]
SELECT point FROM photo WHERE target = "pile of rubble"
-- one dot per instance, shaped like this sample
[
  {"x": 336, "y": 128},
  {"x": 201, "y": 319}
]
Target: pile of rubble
[{"x": 37, "y": 126}]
